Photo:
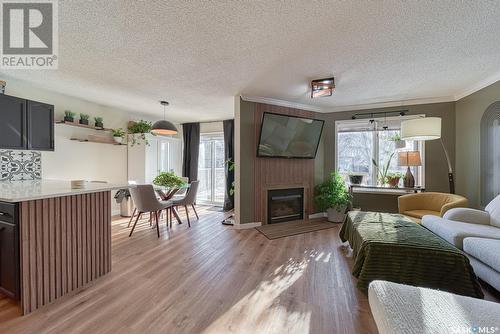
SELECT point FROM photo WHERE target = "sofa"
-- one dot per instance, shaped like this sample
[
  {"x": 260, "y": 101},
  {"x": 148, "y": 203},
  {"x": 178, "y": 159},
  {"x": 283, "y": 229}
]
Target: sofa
[
  {"x": 484, "y": 256},
  {"x": 404, "y": 309},
  {"x": 415, "y": 206},
  {"x": 477, "y": 233},
  {"x": 459, "y": 223}
]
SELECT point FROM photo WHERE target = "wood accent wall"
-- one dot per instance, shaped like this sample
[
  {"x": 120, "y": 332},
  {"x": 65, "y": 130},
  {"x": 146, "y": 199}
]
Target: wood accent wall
[
  {"x": 275, "y": 173},
  {"x": 65, "y": 243}
]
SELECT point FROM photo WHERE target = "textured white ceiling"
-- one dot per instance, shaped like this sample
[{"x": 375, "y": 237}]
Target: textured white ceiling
[{"x": 199, "y": 54}]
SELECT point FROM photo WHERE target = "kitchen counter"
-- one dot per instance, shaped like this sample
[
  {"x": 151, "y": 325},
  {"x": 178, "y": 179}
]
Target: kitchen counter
[
  {"x": 19, "y": 191},
  {"x": 54, "y": 239}
]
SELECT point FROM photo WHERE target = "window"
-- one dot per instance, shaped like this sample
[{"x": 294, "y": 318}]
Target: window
[
  {"x": 362, "y": 145},
  {"x": 169, "y": 151},
  {"x": 211, "y": 169}
]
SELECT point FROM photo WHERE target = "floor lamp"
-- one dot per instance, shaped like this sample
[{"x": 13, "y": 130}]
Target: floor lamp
[{"x": 427, "y": 128}]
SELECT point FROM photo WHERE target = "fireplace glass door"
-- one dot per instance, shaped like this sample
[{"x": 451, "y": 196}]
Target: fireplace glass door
[{"x": 285, "y": 205}]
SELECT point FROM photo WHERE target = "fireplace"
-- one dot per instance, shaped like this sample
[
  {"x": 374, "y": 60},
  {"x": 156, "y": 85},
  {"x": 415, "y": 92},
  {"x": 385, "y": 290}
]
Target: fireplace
[{"x": 285, "y": 205}]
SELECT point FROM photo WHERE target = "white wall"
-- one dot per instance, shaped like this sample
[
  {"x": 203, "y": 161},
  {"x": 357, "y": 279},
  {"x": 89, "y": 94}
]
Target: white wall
[
  {"x": 72, "y": 159},
  {"x": 212, "y": 127}
]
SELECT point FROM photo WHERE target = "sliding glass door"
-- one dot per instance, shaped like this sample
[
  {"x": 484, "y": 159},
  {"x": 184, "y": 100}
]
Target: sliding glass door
[{"x": 211, "y": 169}]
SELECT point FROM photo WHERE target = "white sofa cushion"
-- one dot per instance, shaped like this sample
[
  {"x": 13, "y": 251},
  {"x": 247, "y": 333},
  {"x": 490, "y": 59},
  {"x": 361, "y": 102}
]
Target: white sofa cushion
[
  {"x": 485, "y": 272},
  {"x": 403, "y": 309},
  {"x": 455, "y": 232},
  {"x": 485, "y": 250},
  {"x": 466, "y": 215},
  {"x": 493, "y": 208}
]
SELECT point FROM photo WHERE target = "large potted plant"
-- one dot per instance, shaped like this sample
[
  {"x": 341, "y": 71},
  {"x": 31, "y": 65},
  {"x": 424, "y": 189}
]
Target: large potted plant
[{"x": 333, "y": 196}]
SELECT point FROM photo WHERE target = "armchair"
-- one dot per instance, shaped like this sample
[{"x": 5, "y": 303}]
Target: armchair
[{"x": 415, "y": 206}]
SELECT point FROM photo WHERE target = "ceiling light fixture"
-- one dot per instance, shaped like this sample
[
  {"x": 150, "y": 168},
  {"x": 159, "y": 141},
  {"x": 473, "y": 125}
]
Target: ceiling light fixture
[
  {"x": 163, "y": 127},
  {"x": 322, "y": 87}
]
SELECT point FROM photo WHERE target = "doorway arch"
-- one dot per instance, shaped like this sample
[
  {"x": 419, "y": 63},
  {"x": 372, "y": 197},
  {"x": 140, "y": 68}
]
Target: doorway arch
[{"x": 490, "y": 153}]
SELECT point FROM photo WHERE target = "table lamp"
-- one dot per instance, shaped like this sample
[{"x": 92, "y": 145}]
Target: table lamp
[
  {"x": 409, "y": 159},
  {"x": 427, "y": 128}
]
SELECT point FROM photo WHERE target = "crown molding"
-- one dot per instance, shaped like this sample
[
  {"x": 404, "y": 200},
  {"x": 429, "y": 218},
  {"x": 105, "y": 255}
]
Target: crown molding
[
  {"x": 281, "y": 103},
  {"x": 478, "y": 86},
  {"x": 402, "y": 103}
]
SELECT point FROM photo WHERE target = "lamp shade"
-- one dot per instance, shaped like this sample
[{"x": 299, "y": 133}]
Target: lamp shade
[
  {"x": 411, "y": 158},
  {"x": 426, "y": 128},
  {"x": 163, "y": 128}
]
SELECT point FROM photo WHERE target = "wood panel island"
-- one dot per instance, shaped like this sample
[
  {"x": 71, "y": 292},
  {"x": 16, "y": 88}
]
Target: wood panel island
[{"x": 53, "y": 239}]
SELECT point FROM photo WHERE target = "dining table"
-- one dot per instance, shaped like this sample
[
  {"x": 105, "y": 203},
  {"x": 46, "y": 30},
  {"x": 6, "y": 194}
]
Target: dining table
[{"x": 168, "y": 193}]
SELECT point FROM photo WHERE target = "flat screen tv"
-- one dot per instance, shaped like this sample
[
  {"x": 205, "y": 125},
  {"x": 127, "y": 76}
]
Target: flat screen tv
[{"x": 283, "y": 136}]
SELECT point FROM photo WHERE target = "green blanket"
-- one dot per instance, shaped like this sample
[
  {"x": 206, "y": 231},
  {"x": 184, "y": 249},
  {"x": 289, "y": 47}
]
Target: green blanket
[{"x": 393, "y": 248}]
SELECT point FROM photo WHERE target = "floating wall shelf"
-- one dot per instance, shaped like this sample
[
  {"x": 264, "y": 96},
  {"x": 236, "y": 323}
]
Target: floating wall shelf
[
  {"x": 82, "y": 140},
  {"x": 83, "y": 126}
]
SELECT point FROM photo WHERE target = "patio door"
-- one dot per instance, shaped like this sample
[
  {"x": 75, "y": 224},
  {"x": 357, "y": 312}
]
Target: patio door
[{"x": 211, "y": 169}]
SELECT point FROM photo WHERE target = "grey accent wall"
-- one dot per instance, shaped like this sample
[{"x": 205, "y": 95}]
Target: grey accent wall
[
  {"x": 436, "y": 167},
  {"x": 247, "y": 154},
  {"x": 435, "y": 161},
  {"x": 469, "y": 112}
]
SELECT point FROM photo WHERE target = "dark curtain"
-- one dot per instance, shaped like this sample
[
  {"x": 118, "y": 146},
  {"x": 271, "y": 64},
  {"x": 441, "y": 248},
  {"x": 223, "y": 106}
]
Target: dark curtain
[
  {"x": 229, "y": 155},
  {"x": 191, "y": 135}
]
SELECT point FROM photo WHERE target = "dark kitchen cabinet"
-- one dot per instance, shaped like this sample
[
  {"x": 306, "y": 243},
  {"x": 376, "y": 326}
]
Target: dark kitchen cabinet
[
  {"x": 26, "y": 124},
  {"x": 9, "y": 250},
  {"x": 40, "y": 119},
  {"x": 12, "y": 122}
]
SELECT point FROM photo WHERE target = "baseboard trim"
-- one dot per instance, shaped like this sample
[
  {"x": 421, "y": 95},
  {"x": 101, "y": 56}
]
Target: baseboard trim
[
  {"x": 246, "y": 226},
  {"x": 317, "y": 215}
]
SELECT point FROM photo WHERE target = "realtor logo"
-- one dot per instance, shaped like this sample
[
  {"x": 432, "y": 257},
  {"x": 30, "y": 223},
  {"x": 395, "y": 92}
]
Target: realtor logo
[{"x": 29, "y": 34}]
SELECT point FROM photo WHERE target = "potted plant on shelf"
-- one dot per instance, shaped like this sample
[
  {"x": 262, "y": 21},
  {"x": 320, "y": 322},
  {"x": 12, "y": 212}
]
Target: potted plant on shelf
[
  {"x": 118, "y": 135},
  {"x": 137, "y": 131},
  {"x": 398, "y": 142},
  {"x": 69, "y": 116},
  {"x": 393, "y": 179},
  {"x": 168, "y": 180},
  {"x": 333, "y": 196},
  {"x": 355, "y": 178},
  {"x": 84, "y": 119},
  {"x": 98, "y": 122},
  {"x": 382, "y": 172}
]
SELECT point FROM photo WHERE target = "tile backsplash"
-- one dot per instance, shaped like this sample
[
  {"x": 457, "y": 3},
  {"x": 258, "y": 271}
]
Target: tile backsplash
[{"x": 20, "y": 165}]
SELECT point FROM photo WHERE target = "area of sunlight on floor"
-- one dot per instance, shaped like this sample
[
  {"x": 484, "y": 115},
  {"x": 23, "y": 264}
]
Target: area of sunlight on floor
[{"x": 263, "y": 303}]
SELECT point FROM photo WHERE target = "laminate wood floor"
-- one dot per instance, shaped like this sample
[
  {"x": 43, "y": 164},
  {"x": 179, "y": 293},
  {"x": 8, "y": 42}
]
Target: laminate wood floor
[{"x": 210, "y": 279}]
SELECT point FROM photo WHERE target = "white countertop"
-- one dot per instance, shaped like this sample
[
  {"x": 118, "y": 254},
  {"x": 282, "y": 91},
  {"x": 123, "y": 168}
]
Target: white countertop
[{"x": 19, "y": 191}]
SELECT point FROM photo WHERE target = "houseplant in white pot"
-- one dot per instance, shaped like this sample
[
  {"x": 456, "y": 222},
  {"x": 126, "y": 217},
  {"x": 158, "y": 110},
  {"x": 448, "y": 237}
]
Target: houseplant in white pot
[
  {"x": 333, "y": 196},
  {"x": 118, "y": 135}
]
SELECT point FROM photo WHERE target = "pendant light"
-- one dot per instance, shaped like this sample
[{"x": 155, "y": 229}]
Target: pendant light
[{"x": 163, "y": 127}]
